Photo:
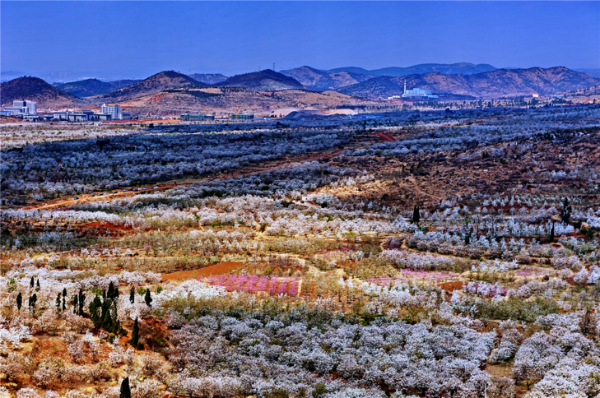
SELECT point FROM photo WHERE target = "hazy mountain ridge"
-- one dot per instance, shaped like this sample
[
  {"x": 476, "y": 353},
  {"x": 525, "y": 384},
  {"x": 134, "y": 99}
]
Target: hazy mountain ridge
[
  {"x": 493, "y": 84},
  {"x": 208, "y": 78},
  {"x": 460, "y": 68},
  {"x": 91, "y": 87},
  {"x": 322, "y": 80}
]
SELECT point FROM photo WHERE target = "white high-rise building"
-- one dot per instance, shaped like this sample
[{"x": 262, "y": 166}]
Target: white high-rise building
[{"x": 113, "y": 110}]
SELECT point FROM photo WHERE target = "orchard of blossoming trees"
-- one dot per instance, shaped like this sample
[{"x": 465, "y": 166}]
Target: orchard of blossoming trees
[{"x": 305, "y": 260}]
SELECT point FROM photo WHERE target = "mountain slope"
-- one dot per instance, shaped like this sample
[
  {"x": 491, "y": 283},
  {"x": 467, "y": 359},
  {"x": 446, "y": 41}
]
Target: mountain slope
[
  {"x": 494, "y": 84},
  {"x": 208, "y": 78},
  {"x": 154, "y": 84},
  {"x": 265, "y": 80},
  {"x": 91, "y": 87},
  {"x": 460, "y": 68},
  {"x": 38, "y": 90},
  {"x": 322, "y": 80}
]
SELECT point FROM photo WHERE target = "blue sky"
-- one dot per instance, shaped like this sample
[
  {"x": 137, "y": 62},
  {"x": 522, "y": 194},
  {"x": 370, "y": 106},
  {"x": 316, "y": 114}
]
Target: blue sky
[{"x": 117, "y": 39}]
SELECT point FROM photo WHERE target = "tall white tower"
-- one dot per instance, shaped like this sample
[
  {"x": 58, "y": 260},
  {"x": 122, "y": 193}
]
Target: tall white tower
[{"x": 405, "y": 87}]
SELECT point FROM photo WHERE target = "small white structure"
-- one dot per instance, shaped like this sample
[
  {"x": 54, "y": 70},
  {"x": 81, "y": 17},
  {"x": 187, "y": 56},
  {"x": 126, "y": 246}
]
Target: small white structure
[{"x": 113, "y": 110}]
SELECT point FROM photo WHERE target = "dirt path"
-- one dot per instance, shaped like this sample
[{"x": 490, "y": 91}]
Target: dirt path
[
  {"x": 218, "y": 269},
  {"x": 384, "y": 136},
  {"x": 89, "y": 199}
]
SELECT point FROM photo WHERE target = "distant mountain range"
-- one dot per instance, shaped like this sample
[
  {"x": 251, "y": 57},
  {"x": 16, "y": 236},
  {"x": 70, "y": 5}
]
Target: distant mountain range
[
  {"x": 166, "y": 88},
  {"x": 591, "y": 72},
  {"x": 461, "y": 68},
  {"x": 265, "y": 80},
  {"x": 493, "y": 84},
  {"x": 36, "y": 89},
  {"x": 91, "y": 87},
  {"x": 323, "y": 80}
]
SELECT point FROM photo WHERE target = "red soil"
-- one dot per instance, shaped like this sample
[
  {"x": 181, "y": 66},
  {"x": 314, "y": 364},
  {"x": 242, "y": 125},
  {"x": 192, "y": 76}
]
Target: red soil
[
  {"x": 450, "y": 286},
  {"x": 221, "y": 268}
]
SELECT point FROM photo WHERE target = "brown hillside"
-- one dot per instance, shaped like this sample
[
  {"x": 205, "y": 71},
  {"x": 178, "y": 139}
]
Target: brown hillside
[
  {"x": 36, "y": 89},
  {"x": 154, "y": 84},
  {"x": 224, "y": 100}
]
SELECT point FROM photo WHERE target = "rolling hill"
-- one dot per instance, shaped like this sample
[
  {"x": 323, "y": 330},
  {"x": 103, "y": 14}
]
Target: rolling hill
[
  {"x": 91, "y": 87},
  {"x": 265, "y": 80},
  {"x": 461, "y": 68},
  {"x": 322, "y": 80},
  {"x": 208, "y": 78},
  {"x": 225, "y": 100},
  {"x": 38, "y": 90},
  {"x": 493, "y": 84},
  {"x": 154, "y": 84}
]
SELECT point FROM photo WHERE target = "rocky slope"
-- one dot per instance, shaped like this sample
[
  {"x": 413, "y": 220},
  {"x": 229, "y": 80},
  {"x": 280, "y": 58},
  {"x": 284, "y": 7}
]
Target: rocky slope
[{"x": 494, "y": 84}]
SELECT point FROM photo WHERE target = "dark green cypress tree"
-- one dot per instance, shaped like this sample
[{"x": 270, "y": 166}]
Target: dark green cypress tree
[
  {"x": 135, "y": 335},
  {"x": 111, "y": 290},
  {"x": 32, "y": 282},
  {"x": 96, "y": 311},
  {"x": 38, "y": 284},
  {"x": 64, "y": 304},
  {"x": 416, "y": 215},
  {"x": 58, "y": 297},
  {"x": 148, "y": 298},
  {"x": 107, "y": 323},
  {"x": 125, "y": 389},
  {"x": 132, "y": 295},
  {"x": 65, "y": 292},
  {"x": 19, "y": 301},
  {"x": 552, "y": 233},
  {"x": 81, "y": 302}
]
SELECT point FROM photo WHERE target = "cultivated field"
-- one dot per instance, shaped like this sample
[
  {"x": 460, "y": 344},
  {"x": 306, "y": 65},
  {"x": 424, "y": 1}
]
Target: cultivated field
[{"x": 415, "y": 254}]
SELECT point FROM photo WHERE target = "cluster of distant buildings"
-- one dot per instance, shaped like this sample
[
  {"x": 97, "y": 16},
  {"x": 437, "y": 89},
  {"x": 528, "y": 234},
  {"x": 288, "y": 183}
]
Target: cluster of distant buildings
[
  {"x": 414, "y": 93},
  {"x": 187, "y": 117},
  {"x": 27, "y": 110}
]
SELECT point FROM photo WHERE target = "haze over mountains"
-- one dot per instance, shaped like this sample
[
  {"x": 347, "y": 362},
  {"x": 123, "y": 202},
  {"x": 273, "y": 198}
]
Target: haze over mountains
[
  {"x": 168, "y": 87},
  {"x": 460, "y": 68}
]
